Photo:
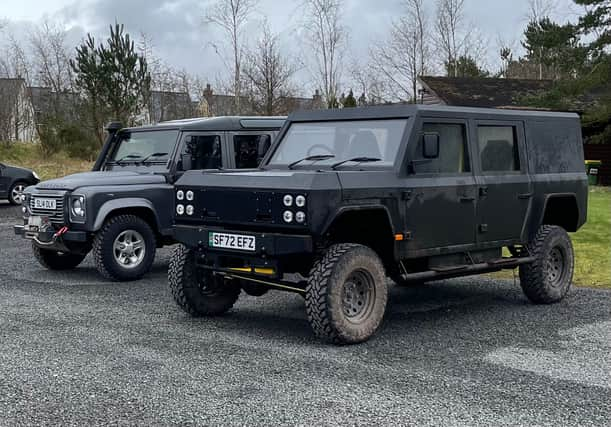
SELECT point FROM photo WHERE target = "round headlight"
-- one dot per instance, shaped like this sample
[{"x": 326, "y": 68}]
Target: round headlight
[
  {"x": 77, "y": 206},
  {"x": 189, "y": 209},
  {"x": 288, "y": 200},
  {"x": 180, "y": 209},
  {"x": 287, "y": 216},
  {"x": 189, "y": 195},
  {"x": 300, "y": 217},
  {"x": 180, "y": 195},
  {"x": 300, "y": 201}
]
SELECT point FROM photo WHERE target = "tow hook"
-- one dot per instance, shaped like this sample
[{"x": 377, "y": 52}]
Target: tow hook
[{"x": 60, "y": 232}]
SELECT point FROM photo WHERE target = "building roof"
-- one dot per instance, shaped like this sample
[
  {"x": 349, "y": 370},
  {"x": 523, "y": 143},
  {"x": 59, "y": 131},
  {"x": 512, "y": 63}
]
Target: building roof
[
  {"x": 222, "y": 123},
  {"x": 482, "y": 92}
]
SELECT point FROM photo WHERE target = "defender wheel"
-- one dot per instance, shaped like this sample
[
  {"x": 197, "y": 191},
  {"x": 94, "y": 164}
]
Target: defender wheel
[
  {"x": 15, "y": 193},
  {"x": 124, "y": 249},
  {"x": 197, "y": 292},
  {"x": 54, "y": 260},
  {"x": 346, "y": 294},
  {"x": 548, "y": 279}
]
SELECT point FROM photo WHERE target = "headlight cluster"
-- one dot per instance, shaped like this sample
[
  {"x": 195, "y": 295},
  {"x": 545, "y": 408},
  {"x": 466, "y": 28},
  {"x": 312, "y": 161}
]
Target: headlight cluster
[
  {"x": 299, "y": 201},
  {"x": 77, "y": 206},
  {"x": 181, "y": 208}
]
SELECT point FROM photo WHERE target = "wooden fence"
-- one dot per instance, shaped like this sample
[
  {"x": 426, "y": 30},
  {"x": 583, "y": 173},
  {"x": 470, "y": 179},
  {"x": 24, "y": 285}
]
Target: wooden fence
[{"x": 600, "y": 152}]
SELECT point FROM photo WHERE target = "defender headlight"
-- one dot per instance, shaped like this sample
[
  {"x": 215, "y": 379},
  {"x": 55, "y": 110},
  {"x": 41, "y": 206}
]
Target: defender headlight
[
  {"x": 300, "y": 217},
  {"x": 78, "y": 206},
  {"x": 300, "y": 201},
  {"x": 287, "y": 200},
  {"x": 287, "y": 216},
  {"x": 189, "y": 210},
  {"x": 180, "y": 195},
  {"x": 189, "y": 194},
  {"x": 180, "y": 209}
]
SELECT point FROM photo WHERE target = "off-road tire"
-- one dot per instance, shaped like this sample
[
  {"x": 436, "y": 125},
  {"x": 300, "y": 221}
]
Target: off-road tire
[
  {"x": 54, "y": 260},
  {"x": 11, "y": 199},
  {"x": 324, "y": 297},
  {"x": 188, "y": 291},
  {"x": 536, "y": 278},
  {"x": 103, "y": 252}
]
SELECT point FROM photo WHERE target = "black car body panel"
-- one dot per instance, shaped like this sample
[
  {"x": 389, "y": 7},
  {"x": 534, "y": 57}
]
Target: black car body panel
[
  {"x": 9, "y": 175},
  {"x": 513, "y": 171}
]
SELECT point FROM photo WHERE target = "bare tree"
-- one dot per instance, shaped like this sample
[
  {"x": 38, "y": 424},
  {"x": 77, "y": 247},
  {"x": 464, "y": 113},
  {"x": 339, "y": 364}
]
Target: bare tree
[
  {"x": 269, "y": 74},
  {"x": 405, "y": 55},
  {"x": 328, "y": 38},
  {"x": 539, "y": 9},
  {"x": 231, "y": 16},
  {"x": 448, "y": 23}
]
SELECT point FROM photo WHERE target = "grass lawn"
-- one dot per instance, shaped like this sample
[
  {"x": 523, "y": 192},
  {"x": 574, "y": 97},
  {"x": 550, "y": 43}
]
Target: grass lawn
[
  {"x": 592, "y": 243},
  {"x": 30, "y": 156}
]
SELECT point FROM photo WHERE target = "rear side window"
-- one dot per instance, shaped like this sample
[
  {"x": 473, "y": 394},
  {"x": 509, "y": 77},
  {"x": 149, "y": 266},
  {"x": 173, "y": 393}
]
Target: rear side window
[
  {"x": 204, "y": 151},
  {"x": 453, "y": 153},
  {"x": 250, "y": 150},
  {"x": 498, "y": 148}
]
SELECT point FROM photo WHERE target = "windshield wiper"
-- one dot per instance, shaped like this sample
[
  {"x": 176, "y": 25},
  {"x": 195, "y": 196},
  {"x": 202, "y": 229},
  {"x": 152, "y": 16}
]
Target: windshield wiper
[
  {"x": 153, "y": 155},
  {"x": 316, "y": 158},
  {"x": 357, "y": 160},
  {"x": 129, "y": 156}
]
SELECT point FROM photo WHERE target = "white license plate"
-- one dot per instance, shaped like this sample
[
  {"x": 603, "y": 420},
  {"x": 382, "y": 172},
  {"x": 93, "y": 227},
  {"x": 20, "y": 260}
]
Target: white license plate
[
  {"x": 45, "y": 204},
  {"x": 232, "y": 241}
]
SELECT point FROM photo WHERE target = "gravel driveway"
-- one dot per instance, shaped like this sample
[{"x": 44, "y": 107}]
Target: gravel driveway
[{"x": 75, "y": 349}]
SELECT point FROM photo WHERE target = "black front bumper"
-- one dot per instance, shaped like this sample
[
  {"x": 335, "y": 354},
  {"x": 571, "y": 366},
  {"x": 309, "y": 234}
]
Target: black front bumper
[
  {"x": 274, "y": 245},
  {"x": 47, "y": 236}
]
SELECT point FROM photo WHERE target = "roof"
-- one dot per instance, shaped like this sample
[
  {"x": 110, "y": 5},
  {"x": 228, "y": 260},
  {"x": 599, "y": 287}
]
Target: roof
[
  {"x": 410, "y": 110},
  {"x": 223, "y": 123},
  {"x": 483, "y": 92}
]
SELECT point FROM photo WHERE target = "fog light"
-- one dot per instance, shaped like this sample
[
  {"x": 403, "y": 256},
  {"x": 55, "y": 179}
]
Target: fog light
[
  {"x": 288, "y": 200},
  {"x": 180, "y": 195},
  {"x": 189, "y": 209},
  {"x": 287, "y": 216},
  {"x": 300, "y": 201},
  {"x": 189, "y": 195},
  {"x": 180, "y": 209},
  {"x": 300, "y": 217}
]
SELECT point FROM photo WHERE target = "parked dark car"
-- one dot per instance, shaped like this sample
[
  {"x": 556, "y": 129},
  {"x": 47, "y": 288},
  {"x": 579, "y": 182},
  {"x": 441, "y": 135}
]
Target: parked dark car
[
  {"x": 13, "y": 182},
  {"x": 417, "y": 193},
  {"x": 123, "y": 210}
]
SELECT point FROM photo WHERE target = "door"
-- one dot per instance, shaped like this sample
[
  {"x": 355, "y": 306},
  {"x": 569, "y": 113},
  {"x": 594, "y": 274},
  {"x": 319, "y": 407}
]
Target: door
[
  {"x": 440, "y": 192},
  {"x": 504, "y": 187}
]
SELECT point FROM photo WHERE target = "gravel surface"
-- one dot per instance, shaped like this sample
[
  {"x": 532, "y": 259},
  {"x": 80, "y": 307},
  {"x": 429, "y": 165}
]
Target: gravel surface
[{"x": 77, "y": 350}]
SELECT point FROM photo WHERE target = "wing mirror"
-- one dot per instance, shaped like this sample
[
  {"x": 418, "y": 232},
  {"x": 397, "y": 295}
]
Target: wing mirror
[{"x": 430, "y": 145}]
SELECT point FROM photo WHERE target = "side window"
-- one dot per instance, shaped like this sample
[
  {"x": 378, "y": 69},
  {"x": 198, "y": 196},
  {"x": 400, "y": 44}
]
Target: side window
[
  {"x": 250, "y": 150},
  {"x": 498, "y": 148},
  {"x": 202, "y": 152},
  {"x": 453, "y": 151}
]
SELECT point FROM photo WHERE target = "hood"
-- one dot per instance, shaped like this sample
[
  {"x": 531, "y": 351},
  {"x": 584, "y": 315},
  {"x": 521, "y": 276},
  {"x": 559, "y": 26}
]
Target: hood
[
  {"x": 17, "y": 169},
  {"x": 262, "y": 179},
  {"x": 88, "y": 179}
]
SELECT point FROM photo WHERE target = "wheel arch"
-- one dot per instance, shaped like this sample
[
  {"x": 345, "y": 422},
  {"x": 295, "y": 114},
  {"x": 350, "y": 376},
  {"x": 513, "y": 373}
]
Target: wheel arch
[
  {"x": 561, "y": 209},
  {"x": 139, "y": 207}
]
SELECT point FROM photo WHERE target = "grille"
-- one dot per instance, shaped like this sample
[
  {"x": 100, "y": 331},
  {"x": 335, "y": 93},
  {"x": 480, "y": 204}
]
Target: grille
[{"x": 55, "y": 216}]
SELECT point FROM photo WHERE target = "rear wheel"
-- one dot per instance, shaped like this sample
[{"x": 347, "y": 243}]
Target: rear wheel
[
  {"x": 54, "y": 260},
  {"x": 346, "y": 294},
  {"x": 548, "y": 279},
  {"x": 198, "y": 292}
]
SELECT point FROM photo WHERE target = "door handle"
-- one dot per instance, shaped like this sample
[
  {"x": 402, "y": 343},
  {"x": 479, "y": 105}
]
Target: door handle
[
  {"x": 466, "y": 198},
  {"x": 525, "y": 196}
]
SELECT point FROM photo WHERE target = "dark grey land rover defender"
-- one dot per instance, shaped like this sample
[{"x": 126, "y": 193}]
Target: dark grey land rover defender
[
  {"x": 123, "y": 210},
  {"x": 346, "y": 198}
]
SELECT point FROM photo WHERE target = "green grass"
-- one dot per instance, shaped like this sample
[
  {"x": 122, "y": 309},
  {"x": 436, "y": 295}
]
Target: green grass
[
  {"x": 592, "y": 244},
  {"x": 29, "y": 155}
]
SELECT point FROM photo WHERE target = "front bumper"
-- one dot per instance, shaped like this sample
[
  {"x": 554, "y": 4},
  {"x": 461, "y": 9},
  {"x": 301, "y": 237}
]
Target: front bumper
[
  {"x": 272, "y": 245},
  {"x": 47, "y": 238}
]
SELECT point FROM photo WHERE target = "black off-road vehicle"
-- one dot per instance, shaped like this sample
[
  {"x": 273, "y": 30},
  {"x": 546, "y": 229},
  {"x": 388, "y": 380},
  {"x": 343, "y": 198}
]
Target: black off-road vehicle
[
  {"x": 123, "y": 210},
  {"x": 346, "y": 198}
]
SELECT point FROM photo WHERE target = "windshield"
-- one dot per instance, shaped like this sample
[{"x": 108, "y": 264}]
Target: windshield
[
  {"x": 337, "y": 141},
  {"x": 149, "y": 146}
]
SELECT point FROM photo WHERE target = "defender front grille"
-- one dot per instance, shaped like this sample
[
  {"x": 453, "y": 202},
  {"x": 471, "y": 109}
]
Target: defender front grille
[{"x": 55, "y": 216}]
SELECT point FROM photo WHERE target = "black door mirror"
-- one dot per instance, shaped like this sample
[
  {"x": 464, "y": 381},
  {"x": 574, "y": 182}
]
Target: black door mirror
[{"x": 430, "y": 145}]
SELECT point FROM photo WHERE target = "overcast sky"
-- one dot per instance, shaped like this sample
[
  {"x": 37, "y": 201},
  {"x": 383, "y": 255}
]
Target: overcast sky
[{"x": 181, "y": 38}]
